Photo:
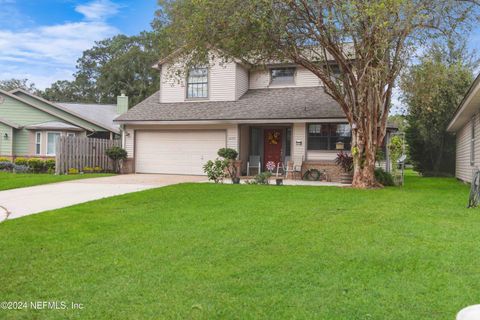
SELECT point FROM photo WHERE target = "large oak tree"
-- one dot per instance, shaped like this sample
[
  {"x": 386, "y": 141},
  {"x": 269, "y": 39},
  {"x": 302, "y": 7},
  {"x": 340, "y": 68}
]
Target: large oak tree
[{"x": 369, "y": 41}]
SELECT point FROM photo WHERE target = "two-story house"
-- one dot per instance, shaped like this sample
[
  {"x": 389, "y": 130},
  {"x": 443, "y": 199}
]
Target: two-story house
[{"x": 277, "y": 112}]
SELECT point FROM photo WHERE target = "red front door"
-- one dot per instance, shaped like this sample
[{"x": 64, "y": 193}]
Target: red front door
[{"x": 272, "y": 146}]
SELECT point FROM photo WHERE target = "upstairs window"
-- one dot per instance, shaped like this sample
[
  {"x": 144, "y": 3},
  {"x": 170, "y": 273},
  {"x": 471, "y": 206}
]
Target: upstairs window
[
  {"x": 197, "y": 83},
  {"x": 282, "y": 76},
  {"x": 324, "y": 136}
]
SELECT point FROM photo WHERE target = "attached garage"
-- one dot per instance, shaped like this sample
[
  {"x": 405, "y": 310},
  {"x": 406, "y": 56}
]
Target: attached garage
[{"x": 176, "y": 152}]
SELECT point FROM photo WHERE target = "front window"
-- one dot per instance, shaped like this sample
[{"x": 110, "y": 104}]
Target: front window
[
  {"x": 38, "y": 143},
  {"x": 52, "y": 138},
  {"x": 325, "y": 136},
  {"x": 282, "y": 76},
  {"x": 197, "y": 83}
]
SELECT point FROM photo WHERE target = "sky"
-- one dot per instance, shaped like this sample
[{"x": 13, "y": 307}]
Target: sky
[{"x": 41, "y": 40}]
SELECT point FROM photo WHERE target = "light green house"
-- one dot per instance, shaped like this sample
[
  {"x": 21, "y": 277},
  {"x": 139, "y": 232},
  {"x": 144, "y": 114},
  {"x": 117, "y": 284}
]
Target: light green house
[{"x": 30, "y": 125}]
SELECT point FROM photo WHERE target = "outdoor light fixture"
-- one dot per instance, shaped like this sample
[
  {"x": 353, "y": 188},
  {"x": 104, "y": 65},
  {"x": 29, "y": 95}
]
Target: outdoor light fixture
[
  {"x": 339, "y": 145},
  {"x": 298, "y": 142},
  {"x": 5, "y": 136}
]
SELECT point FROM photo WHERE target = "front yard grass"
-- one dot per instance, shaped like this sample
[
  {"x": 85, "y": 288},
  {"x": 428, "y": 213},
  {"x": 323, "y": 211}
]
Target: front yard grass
[
  {"x": 206, "y": 251},
  {"x": 19, "y": 180}
]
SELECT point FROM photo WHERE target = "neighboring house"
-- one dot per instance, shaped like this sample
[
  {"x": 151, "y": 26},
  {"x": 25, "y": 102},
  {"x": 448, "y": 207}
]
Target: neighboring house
[
  {"x": 30, "y": 125},
  {"x": 466, "y": 126},
  {"x": 279, "y": 112}
]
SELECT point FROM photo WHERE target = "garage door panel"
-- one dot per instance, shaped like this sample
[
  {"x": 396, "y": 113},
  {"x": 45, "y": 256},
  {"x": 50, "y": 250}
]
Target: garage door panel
[{"x": 182, "y": 152}]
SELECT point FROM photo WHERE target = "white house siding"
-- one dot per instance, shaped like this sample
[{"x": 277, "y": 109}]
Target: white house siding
[
  {"x": 463, "y": 168},
  {"x": 314, "y": 155},
  {"x": 260, "y": 79},
  {"x": 232, "y": 135},
  {"x": 242, "y": 81},
  {"x": 222, "y": 78},
  {"x": 298, "y": 142}
]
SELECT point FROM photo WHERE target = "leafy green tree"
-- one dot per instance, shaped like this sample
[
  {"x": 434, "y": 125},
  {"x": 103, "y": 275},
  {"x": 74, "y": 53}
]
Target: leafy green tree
[
  {"x": 11, "y": 84},
  {"x": 63, "y": 91},
  {"x": 432, "y": 90},
  {"x": 368, "y": 42}
]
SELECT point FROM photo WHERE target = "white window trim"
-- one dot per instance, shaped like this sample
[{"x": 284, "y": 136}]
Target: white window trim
[
  {"x": 287, "y": 84},
  {"x": 39, "y": 143},
  {"x": 46, "y": 151},
  {"x": 187, "y": 98}
]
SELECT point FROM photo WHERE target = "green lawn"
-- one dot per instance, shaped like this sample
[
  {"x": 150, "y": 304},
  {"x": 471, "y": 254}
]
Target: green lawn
[
  {"x": 20, "y": 180},
  {"x": 206, "y": 251}
]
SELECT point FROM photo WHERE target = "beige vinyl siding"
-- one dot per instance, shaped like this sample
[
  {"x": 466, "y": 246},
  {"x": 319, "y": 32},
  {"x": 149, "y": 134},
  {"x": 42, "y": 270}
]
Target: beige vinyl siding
[
  {"x": 298, "y": 135},
  {"x": 6, "y": 144},
  {"x": 221, "y": 82},
  {"x": 319, "y": 155},
  {"x": 463, "y": 169},
  {"x": 260, "y": 79},
  {"x": 242, "y": 81},
  {"x": 231, "y": 129}
]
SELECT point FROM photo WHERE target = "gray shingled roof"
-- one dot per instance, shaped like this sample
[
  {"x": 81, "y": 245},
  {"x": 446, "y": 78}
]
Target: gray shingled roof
[
  {"x": 278, "y": 103},
  {"x": 101, "y": 113}
]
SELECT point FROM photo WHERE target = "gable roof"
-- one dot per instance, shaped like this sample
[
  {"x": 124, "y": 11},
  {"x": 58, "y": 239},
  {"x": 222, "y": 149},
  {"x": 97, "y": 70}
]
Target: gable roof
[
  {"x": 53, "y": 125},
  {"x": 102, "y": 113},
  {"x": 8, "y": 94},
  {"x": 256, "y": 104},
  {"x": 467, "y": 107},
  {"x": 10, "y": 123},
  {"x": 85, "y": 116}
]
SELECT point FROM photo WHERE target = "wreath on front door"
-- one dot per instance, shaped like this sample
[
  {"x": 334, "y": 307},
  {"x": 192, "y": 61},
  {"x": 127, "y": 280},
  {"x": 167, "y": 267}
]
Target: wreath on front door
[{"x": 273, "y": 137}]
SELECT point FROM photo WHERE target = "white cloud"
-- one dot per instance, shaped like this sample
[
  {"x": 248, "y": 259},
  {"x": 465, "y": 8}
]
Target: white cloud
[
  {"x": 45, "y": 54},
  {"x": 98, "y": 10}
]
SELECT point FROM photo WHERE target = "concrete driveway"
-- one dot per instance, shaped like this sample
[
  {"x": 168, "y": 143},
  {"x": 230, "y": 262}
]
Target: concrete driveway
[{"x": 25, "y": 201}]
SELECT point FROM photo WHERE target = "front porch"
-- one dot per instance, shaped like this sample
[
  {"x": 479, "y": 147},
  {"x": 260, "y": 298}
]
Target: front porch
[{"x": 263, "y": 146}]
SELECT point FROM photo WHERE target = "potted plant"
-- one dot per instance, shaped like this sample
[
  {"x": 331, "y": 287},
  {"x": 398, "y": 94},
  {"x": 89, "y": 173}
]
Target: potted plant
[
  {"x": 345, "y": 162},
  {"x": 230, "y": 155}
]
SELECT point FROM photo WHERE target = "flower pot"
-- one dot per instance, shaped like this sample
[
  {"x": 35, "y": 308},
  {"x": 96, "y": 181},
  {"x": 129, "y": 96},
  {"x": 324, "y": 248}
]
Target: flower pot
[
  {"x": 279, "y": 182},
  {"x": 346, "y": 178},
  {"x": 236, "y": 180}
]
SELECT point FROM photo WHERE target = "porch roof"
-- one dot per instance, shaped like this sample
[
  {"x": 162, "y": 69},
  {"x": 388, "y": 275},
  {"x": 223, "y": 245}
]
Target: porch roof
[{"x": 256, "y": 104}]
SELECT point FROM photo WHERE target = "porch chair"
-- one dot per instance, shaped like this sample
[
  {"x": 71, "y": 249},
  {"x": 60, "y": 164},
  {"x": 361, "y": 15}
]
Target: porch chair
[
  {"x": 295, "y": 168},
  {"x": 254, "y": 162}
]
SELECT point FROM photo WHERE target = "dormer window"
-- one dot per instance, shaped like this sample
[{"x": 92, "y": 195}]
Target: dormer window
[
  {"x": 282, "y": 76},
  {"x": 197, "y": 83}
]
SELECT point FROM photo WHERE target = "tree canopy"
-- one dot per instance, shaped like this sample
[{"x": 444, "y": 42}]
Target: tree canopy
[
  {"x": 431, "y": 91},
  {"x": 368, "y": 42},
  {"x": 24, "y": 84}
]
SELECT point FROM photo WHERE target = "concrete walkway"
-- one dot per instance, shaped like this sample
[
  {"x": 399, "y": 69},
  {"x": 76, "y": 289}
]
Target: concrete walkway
[{"x": 25, "y": 201}]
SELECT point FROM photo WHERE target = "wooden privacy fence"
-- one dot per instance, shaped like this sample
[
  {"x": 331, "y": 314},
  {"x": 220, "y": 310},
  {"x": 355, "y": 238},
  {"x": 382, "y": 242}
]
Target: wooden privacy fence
[{"x": 81, "y": 152}]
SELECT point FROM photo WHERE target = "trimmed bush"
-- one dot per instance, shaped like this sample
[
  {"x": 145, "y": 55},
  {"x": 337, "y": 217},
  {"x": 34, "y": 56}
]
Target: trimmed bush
[
  {"x": 50, "y": 165},
  {"x": 6, "y": 166},
  {"x": 97, "y": 169},
  {"x": 73, "y": 171},
  {"x": 384, "y": 177},
  {"x": 20, "y": 168},
  {"x": 215, "y": 170},
  {"x": 228, "y": 153},
  {"x": 21, "y": 161},
  {"x": 3, "y": 159},
  {"x": 37, "y": 165},
  {"x": 116, "y": 154},
  {"x": 87, "y": 170}
]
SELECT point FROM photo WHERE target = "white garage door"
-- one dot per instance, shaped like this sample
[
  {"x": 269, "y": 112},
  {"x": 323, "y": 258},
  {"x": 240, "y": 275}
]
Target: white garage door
[{"x": 176, "y": 152}]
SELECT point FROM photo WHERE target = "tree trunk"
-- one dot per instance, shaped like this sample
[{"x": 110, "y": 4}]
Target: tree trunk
[{"x": 364, "y": 162}]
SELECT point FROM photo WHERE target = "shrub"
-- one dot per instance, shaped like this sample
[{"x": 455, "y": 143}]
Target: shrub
[
  {"x": 384, "y": 177},
  {"x": 116, "y": 154},
  {"x": 215, "y": 170},
  {"x": 261, "y": 178},
  {"x": 230, "y": 155},
  {"x": 73, "y": 171},
  {"x": 20, "y": 168},
  {"x": 37, "y": 165},
  {"x": 88, "y": 170},
  {"x": 50, "y": 165},
  {"x": 21, "y": 161},
  {"x": 6, "y": 166},
  {"x": 3, "y": 159},
  {"x": 344, "y": 161},
  {"x": 97, "y": 169}
]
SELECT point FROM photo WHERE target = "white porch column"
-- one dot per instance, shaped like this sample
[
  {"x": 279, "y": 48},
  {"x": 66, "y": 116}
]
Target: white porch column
[{"x": 299, "y": 143}]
